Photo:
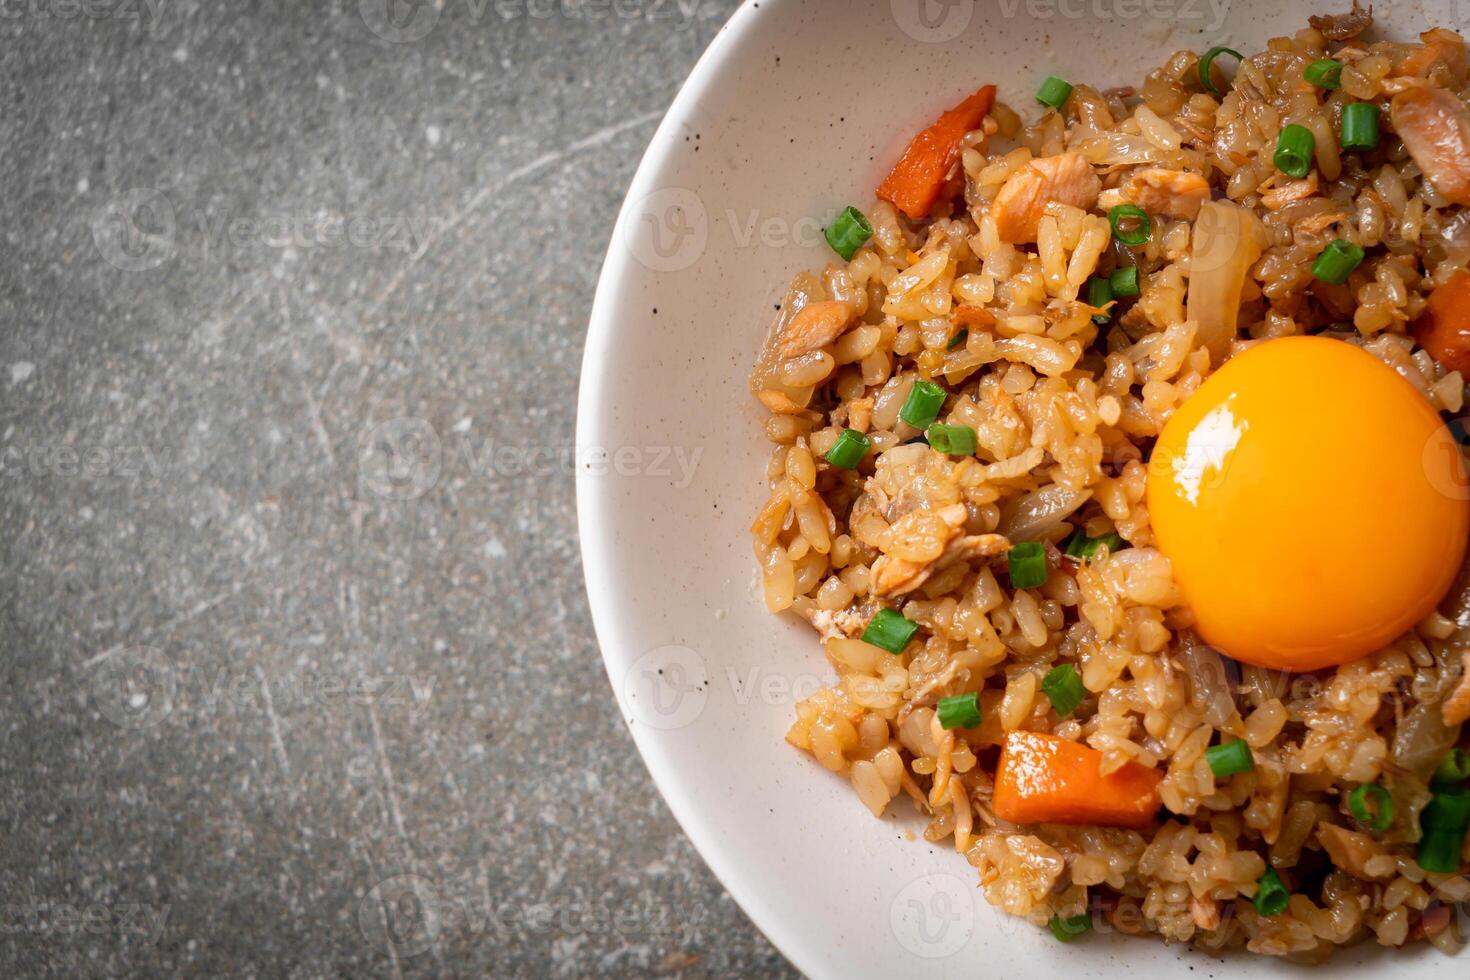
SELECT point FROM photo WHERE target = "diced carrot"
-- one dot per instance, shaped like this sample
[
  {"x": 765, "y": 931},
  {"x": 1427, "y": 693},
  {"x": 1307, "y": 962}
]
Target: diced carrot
[
  {"x": 1443, "y": 328},
  {"x": 917, "y": 180},
  {"x": 1045, "y": 779},
  {"x": 965, "y": 315}
]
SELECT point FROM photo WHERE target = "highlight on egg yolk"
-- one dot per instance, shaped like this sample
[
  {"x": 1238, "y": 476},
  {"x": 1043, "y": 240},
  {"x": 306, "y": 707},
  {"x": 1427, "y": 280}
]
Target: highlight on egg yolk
[{"x": 1311, "y": 502}]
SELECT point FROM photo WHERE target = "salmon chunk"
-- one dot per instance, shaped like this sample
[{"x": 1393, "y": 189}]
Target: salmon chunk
[
  {"x": 1066, "y": 178},
  {"x": 1435, "y": 128},
  {"x": 1175, "y": 193}
]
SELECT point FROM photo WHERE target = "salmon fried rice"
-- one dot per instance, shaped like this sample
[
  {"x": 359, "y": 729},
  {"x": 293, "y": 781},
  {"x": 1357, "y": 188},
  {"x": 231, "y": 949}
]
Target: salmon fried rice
[{"x": 968, "y": 407}]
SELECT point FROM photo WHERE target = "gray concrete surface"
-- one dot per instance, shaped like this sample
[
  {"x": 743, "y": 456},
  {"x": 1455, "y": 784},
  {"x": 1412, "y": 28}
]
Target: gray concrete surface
[{"x": 298, "y": 677}]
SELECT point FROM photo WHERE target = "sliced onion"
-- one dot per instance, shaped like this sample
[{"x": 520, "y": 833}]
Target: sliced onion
[
  {"x": 1227, "y": 241},
  {"x": 1033, "y": 516},
  {"x": 1210, "y": 689},
  {"x": 1423, "y": 739}
]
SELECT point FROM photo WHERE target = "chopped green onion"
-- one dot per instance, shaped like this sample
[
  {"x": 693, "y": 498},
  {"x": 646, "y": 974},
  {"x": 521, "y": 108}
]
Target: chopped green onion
[
  {"x": 1440, "y": 850},
  {"x": 1272, "y": 898},
  {"x": 1053, "y": 92},
  {"x": 1080, "y": 546},
  {"x": 1138, "y": 235},
  {"x": 1359, "y": 126},
  {"x": 1028, "y": 565},
  {"x": 1230, "y": 758},
  {"x": 922, "y": 406},
  {"x": 1337, "y": 262},
  {"x": 1324, "y": 73},
  {"x": 1124, "y": 281},
  {"x": 1100, "y": 293},
  {"x": 849, "y": 449},
  {"x": 848, "y": 233},
  {"x": 958, "y": 338},
  {"x": 1070, "y": 928},
  {"x": 1454, "y": 769},
  {"x": 1064, "y": 689},
  {"x": 1372, "y": 806},
  {"x": 1449, "y": 809},
  {"x": 952, "y": 440},
  {"x": 1294, "y": 149},
  {"x": 890, "y": 631},
  {"x": 1208, "y": 60},
  {"x": 960, "y": 711}
]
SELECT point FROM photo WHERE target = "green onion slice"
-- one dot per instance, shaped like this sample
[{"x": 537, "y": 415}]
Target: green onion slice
[
  {"x": 1125, "y": 212},
  {"x": 1324, "y": 73},
  {"x": 1100, "y": 293},
  {"x": 952, "y": 440},
  {"x": 922, "y": 406},
  {"x": 1230, "y": 758},
  {"x": 958, "y": 338},
  {"x": 1454, "y": 769},
  {"x": 890, "y": 631},
  {"x": 1294, "y": 149},
  {"x": 1448, "y": 809},
  {"x": 1054, "y": 92},
  {"x": 1359, "y": 126},
  {"x": 1063, "y": 687},
  {"x": 1069, "y": 928},
  {"x": 1272, "y": 898},
  {"x": 1028, "y": 565},
  {"x": 849, "y": 449},
  {"x": 1208, "y": 60},
  {"x": 960, "y": 711},
  {"x": 1124, "y": 281},
  {"x": 848, "y": 233},
  {"x": 1080, "y": 546},
  {"x": 1440, "y": 850},
  {"x": 1372, "y": 806},
  {"x": 1337, "y": 262}
]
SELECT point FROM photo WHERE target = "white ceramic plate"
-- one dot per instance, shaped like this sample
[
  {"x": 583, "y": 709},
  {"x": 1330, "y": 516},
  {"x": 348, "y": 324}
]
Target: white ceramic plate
[{"x": 796, "y": 110}]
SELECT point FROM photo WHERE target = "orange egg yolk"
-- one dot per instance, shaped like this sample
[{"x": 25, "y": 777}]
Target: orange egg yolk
[{"x": 1312, "y": 503}]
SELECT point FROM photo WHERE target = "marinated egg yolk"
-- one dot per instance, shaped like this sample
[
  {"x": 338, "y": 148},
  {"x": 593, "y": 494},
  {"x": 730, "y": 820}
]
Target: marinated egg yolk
[{"x": 1312, "y": 503}]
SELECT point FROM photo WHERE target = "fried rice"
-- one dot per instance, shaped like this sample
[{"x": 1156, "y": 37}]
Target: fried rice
[{"x": 1065, "y": 409}]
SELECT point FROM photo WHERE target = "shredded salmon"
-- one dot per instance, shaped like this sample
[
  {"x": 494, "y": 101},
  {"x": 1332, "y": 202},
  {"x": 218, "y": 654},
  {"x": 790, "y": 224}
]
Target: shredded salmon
[
  {"x": 1456, "y": 708},
  {"x": 1279, "y": 197},
  {"x": 1440, "y": 47},
  {"x": 973, "y": 316},
  {"x": 1066, "y": 178},
  {"x": 1435, "y": 128},
  {"x": 1158, "y": 190},
  {"x": 815, "y": 326}
]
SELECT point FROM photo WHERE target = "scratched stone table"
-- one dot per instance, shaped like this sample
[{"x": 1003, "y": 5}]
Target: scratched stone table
[{"x": 298, "y": 675}]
